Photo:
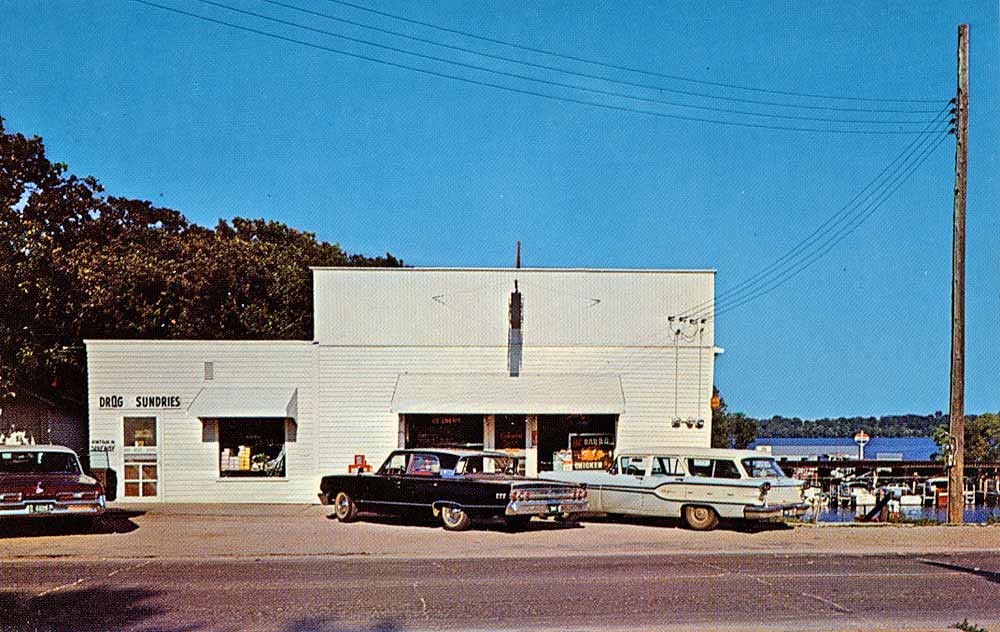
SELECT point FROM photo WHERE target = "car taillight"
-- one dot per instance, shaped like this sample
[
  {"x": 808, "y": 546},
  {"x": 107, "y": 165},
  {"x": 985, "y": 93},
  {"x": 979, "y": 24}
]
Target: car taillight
[
  {"x": 515, "y": 495},
  {"x": 10, "y": 498},
  {"x": 66, "y": 496}
]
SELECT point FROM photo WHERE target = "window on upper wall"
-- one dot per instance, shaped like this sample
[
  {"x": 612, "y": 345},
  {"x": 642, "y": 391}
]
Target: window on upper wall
[{"x": 251, "y": 448}]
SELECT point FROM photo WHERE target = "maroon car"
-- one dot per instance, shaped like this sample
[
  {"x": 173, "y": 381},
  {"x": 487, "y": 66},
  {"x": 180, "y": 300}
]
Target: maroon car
[{"x": 47, "y": 481}]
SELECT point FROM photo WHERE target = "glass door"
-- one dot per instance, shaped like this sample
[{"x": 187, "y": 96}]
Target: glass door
[{"x": 142, "y": 467}]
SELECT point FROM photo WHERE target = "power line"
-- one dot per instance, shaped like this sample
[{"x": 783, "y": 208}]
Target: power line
[
  {"x": 792, "y": 273},
  {"x": 602, "y": 64},
  {"x": 547, "y": 82},
  {"x": 827, "y": 225},
  {"x": 792, "y": 269},
  {"x": 605, "y": 106},
  {"x": 633, "y": 84}
]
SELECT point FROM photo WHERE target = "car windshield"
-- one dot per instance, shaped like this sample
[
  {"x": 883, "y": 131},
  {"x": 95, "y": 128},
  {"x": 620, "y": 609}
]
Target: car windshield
[
  {"x": 763, "y": 468},
  {"x": 38, "y": 462},
  {"x": 486, "y": 464}
]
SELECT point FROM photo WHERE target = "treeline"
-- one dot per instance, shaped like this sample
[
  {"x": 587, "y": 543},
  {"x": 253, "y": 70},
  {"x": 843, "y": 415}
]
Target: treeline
[
  {"x": 887, "y": 426},
  {"x": 76, "y": 263}
]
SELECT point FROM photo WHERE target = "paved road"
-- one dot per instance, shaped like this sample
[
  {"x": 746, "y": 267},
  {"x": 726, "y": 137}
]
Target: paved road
[{"x": 697, "y": 592}]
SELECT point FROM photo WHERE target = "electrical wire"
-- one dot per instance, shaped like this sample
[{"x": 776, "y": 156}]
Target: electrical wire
[
  {"x": 826, "y": 226},
  {"x": 633, "y": 84},
  {"x": 515, "y": 90},
  {"x": 831, "y": 244},
  {"x": 793, "y": 268},
  {"x": 547, "y": 82},
  {"x": 610, "y": 66},
  {"x": 809, "y": 259}
]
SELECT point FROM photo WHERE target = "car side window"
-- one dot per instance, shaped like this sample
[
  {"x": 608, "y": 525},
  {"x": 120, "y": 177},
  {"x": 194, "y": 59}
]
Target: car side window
[
  {"x": 424, "y": 465},
  {"x": 633, "y": 465},
  {"x": 725, "y": 468},
  {"x": 667, "y": 466},
  {"x": 396, "y": 465},
  {"x": 700, "y": 467}
]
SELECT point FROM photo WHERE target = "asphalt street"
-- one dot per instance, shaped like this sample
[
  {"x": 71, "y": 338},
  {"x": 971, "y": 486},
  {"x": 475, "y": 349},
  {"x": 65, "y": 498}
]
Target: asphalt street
[{"x": 651, "y": 592}]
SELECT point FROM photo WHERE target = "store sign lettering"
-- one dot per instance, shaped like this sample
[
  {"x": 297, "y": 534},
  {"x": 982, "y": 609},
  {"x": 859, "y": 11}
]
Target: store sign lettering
[
  {"x": 591, "y": 451},
  {"x": 111, "y": 401},
  {"x": 140, "y": 401},
  {"x": 158, "y": 401},
  {"x": 102, "y": 445}
]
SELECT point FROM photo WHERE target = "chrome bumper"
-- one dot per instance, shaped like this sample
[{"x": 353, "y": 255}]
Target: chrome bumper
[
  {"x": 546, "y": 507},
  {"x": 42, "y": 509},
  {"x": 323, "y": 499},
  {"x": 774, "y": 512}
]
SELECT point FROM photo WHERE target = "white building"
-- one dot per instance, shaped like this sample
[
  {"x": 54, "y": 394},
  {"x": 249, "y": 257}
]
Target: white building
[{"x": 410, "y": 358}]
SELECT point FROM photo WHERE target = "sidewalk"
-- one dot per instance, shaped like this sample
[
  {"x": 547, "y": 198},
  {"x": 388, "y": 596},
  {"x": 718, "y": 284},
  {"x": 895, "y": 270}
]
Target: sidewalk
[{"x": 186, "y": 531}]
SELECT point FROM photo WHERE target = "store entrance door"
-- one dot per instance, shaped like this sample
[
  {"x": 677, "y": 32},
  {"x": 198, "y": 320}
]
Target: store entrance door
[{"x": 509, "y": 433}]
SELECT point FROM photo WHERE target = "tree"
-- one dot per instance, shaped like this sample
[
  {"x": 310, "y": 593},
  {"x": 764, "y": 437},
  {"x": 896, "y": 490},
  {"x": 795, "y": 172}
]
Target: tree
[
  {"x": 76, "y": 263},
  {"x": 982, "y": 438},
  {"x": 731, "y": 430}
]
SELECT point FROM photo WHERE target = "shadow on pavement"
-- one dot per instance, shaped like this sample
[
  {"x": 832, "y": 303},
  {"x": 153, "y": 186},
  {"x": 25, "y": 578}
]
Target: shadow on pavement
[
  {"x": 978, "y": 572},
  {"x": 99, "y": 608},
  {"x": 739, "y": 526},
  {"x": 318, "y": 624},
  {"x": 113, "y": 521},
  {"x": 430, "y": 522}
]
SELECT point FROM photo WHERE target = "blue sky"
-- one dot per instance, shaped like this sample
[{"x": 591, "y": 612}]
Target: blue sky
[{"x": 216, "y": 122}]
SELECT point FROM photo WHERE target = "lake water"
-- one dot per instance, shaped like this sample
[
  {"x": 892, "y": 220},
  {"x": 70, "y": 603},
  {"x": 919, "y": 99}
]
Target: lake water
[{"x": 971, "y": 514}]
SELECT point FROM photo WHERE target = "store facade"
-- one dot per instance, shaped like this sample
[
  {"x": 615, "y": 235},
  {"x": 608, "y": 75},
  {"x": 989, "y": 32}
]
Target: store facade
[{"x": 555, "y": 366}]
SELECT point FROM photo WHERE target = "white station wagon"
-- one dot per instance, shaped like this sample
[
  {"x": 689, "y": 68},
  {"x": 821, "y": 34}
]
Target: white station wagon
[{"x": 699, "y": 485}]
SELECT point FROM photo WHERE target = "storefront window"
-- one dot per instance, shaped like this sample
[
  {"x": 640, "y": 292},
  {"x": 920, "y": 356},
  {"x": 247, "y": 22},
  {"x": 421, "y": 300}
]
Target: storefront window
[
  {"x": 595, "y": 441},
  {"x": 444, "y": 431},
  {"x": 251, "y": 447}
]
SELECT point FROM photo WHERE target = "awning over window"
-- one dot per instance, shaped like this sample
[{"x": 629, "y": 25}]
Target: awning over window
[
  {"x": 216, "y": 402},
  {"x": 499, "y": 394}
]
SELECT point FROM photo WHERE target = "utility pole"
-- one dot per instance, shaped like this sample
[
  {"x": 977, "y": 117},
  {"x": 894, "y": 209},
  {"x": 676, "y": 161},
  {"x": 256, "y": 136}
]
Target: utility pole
[{"x": 956, "y": 474}]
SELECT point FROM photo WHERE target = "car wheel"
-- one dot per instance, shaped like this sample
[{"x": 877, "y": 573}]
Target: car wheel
[
  {"x": 516, "y": 523},
  {"x": 344, "y": 508},
  {"x": 454, "y": 518},
  {"x": 700, "y": 518}
]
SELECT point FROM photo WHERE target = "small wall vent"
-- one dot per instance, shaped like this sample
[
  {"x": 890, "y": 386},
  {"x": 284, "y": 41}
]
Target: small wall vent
[{"x": 209, "y": 371}]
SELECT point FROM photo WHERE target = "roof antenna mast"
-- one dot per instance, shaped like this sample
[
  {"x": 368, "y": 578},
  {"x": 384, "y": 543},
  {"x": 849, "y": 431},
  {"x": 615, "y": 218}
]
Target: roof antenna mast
[{"x": 518, "y": 264}]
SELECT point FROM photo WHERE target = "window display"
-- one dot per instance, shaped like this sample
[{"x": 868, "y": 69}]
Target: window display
[{"x": 251, "y": 447}]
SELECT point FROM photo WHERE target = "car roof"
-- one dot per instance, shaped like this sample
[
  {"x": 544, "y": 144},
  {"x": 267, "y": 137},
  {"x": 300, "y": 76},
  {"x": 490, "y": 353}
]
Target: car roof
[
  {"x": 694, "y": 452},
  {"x": 451, "y": 451},
  {"x": 35, "y": 448}
]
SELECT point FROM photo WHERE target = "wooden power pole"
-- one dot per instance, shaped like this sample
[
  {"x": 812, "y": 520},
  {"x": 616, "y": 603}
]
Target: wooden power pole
[{"x": 956, "y": 474}]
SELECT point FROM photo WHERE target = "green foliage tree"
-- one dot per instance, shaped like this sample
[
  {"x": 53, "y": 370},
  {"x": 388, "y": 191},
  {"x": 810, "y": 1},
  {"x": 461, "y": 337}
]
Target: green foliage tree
[
  {"x": 982, "y": 438},
  {"x": 731, "y": 430},
  {"x": 76, "y": 263}
]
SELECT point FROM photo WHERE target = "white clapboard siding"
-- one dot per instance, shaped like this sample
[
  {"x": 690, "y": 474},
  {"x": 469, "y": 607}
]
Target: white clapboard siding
[
  {"x": 357, "y": 386},
  {"x": 469, "y": 307},
  {"x": 188, "y": 448}
]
